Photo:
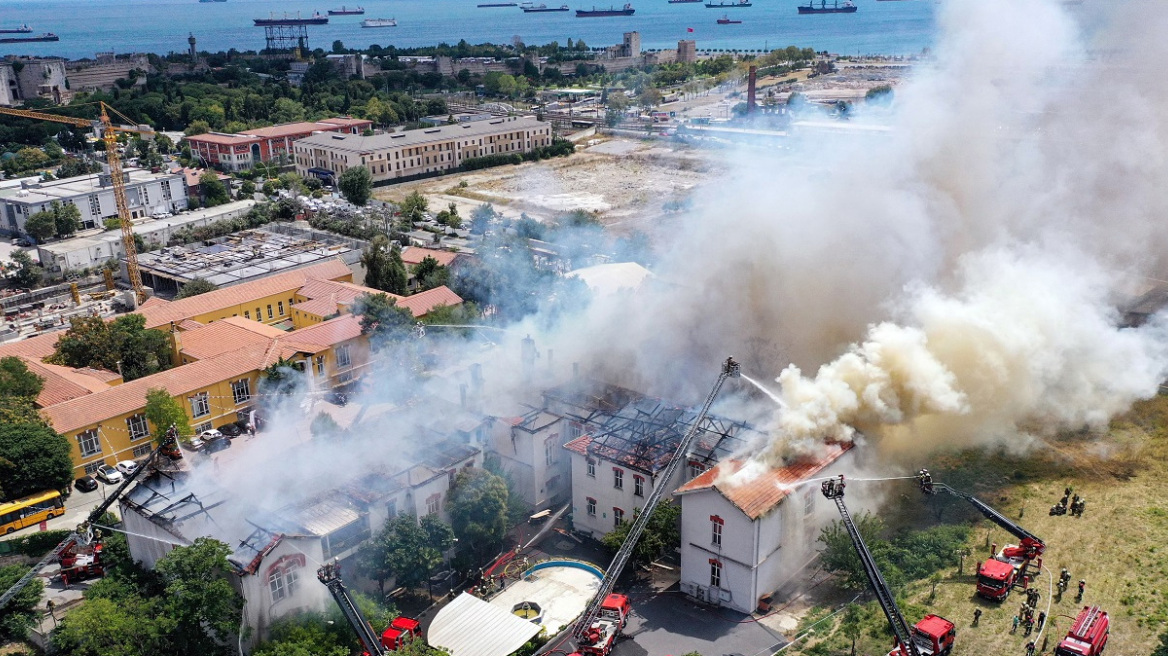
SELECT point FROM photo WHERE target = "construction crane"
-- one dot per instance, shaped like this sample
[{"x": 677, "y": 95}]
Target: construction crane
[
  {"x": 933, "y": 635},
  {"x": 400, "y": 631},
  {"x": 108, "y": 132},
  {"x": 85, "y": 534},
  {"x": 595, "y": 634},
  {"x": 1006, "y": 568}
]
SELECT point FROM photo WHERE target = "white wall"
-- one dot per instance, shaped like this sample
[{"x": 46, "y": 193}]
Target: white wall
[
  {"x": 307, "y": 594},
  {"x": 601, "y": 487}
]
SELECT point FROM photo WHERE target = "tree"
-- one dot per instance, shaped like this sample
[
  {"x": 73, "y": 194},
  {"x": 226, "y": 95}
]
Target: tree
[
  {"x": 305, "y": 634},
  {"x": 481, "y": 217},
  {"x": 33, "y": 457},
  {"x": 196, "y": 287},
  {"x": 197, "y": 127},
  {"x": 384, "y": 269},
  {"x": 129, "y": 625},
  {"x": 214, "y": 192},
  {"x": 17, "y": 380},
  {"x": 649, "y": 97},
  {"x": 198, "y": 597},
  {"x": 382, "y": 320},
  {"x": 839, "y": 555},
  {"x": 247, "y": 189},
  {"x": 66, "y": 218},
  {"x": 407, "y": 549},
  {"x": 282, "y": 377},
  {"x": 356, "y": 184},
  {"x": 28, "y": 274},
  {"x": 449, "y": 217},
  {"x": 163, "y": 411},
  {"x": 662, "y": 533},
  {"x": 28, "y": 159},
  {"x": 478, "y": 511},
  {"x": 123, "y": 345},
  {"x": 20, "y": 614},
  {"x": 413, "y": 210},
  {"x": 41, "y": 226}
]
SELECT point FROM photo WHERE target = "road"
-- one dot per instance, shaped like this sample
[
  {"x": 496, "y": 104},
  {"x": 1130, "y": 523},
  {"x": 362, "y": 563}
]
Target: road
[{"x": 77, "y": 509}]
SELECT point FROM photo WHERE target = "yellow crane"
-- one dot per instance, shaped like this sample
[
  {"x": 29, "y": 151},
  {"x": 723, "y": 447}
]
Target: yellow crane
[{"x": 108, "y": 132}]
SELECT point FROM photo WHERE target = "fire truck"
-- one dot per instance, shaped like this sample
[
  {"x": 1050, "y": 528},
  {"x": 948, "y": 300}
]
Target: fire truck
[
  {"x": 81, "y": 561},
  {"x": 933, "y": 635},
  {"x": 395, "y": 636},
  {"x": 601, "y": 635},
  {"x": 1088, "y": 635},
  {"x": 1007, "y": 568},
  {"x": 400, "y": 631}
]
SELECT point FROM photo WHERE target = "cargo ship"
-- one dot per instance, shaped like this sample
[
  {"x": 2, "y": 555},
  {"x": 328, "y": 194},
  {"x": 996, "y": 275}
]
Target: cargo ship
[
  {"x": 541, "y": 8},
  {"x": 379, "y": 22},
  {"x": 728, "y": 5},
  {"x": 212, "y": 0},
  {"x": 627, "y": 10},
  {"x": 289, "y": 19},
  {"x": 500, "y": 4},
  {"x": 47, "y": 36},
  {"x": 725, "y": 20},
  {"x": 848, "y": 7},
  {"x": 682, "y": 2},
  {"x": 347, "y": 11},
  {"x": 21, "y": 29}
]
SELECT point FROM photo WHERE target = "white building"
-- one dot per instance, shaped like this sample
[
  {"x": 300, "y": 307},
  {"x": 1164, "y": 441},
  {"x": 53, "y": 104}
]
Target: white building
[
  {"x": 743, "y": 538},
  {"x": 146, "y": 194},
  {"x": 531, "y": 452}
]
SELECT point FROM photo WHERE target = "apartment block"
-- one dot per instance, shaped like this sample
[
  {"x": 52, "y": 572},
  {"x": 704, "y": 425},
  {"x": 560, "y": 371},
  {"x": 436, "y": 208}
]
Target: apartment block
[{"x": 240, "y": 152}]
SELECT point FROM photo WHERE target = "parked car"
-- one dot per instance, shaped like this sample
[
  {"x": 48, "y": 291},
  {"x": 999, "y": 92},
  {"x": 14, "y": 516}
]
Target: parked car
[
  {"x": 195, "y": 444},
  {"x": 216, "y": 445},
  {"x": 108, "y": 474},
  {"x": 339, "y": 398},
  {"x": 231, "y": 430},
  {"x": 86, "y": 484},
  {"x": 209, "y": 435},
  {"x": 127, "y": 467}
]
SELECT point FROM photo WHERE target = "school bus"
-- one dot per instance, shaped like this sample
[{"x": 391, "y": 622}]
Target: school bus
[{"x": 30, "y": 510}]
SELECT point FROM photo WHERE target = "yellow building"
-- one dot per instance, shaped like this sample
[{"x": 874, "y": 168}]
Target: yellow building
[{"x": 220, "y": 354}]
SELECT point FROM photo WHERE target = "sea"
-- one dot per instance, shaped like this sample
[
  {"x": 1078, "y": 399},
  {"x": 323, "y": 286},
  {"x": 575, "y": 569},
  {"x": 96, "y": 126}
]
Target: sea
[{"x": 87, "y": 27}]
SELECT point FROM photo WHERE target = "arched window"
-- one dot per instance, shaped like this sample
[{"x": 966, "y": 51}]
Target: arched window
[{"x": 283, "y": 576}]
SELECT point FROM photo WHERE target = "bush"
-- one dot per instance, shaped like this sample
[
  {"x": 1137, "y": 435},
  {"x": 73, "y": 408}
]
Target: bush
[{"x": 37, "y": 544}]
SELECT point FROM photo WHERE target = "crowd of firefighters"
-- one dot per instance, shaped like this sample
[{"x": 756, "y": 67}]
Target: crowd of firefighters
[{"x": 1075, "y": 504}]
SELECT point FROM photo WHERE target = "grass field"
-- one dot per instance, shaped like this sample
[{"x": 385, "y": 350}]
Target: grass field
[{"x": 1120, "y": 545}]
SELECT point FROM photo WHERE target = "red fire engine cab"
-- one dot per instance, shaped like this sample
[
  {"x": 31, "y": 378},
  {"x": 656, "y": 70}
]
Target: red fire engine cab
[
  {"x": 1088, "y": 635},
  {"x": 932, "y": 636},
  {"x": 600, "y": 637},
  {"x": 399, "y": 632}
]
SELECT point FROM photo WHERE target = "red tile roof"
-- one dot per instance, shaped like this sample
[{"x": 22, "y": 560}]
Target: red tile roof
[
  {"x": 415, "y": 254},
  {"x": 220, "y": 138},
  {"x": 346, "y": 121},
  {"x": 231, "y": 333},
  {"x": 425, "y": 302},
  {"x": 326, "y": 334},
  {"x": 35, "y": 348},
  {"x": 580, "y": 444},
  {"x": 239, "y": 294},
  {"x": 757, "y": 496},
  {"x": 288, "y": 129},
  {"x": 63, "y": 383}
]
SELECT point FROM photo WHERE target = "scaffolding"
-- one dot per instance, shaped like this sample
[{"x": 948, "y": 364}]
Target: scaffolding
[{"x": 285, "y": 40}]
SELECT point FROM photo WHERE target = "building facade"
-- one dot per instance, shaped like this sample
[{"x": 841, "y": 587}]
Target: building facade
[
  {"x": 744, "y": 538},
  {"x": 146, "y": 194},
  {"x": 687, "y": 51},
  {"x": 240, "y": 152},
  {"x": 418, "y": 152}
]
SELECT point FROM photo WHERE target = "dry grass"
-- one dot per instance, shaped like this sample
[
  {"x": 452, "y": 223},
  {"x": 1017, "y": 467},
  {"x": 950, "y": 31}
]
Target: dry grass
[{"x": 1120, "y": 545}]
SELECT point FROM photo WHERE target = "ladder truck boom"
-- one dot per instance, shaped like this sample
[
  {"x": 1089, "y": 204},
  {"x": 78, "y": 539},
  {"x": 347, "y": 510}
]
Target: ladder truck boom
[
  {"x": 83, "y": 532},
  {"x": 730, "y": 369},
  {"x": 330, "y": 575},
  {"x": 1032, "y": 543}
]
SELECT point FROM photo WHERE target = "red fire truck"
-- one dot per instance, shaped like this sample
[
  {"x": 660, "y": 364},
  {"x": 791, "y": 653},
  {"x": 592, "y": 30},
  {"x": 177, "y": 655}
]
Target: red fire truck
[
  {"x": 1088, "y": 635},
  {"x": 600, "y": 637}
]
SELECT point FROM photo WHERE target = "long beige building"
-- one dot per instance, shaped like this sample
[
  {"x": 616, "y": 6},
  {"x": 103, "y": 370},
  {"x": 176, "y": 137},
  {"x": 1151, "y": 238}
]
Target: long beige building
[{"x": 418, "y": 152}]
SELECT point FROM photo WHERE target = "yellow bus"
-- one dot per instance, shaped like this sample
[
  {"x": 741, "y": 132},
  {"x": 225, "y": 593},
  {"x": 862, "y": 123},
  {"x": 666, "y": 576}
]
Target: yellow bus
[{"x": 33, "y": 509}]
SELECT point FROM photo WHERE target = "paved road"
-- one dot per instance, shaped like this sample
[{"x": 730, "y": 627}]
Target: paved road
[
  {"x": 668, "y": 624},
  {"x": 77, "y": 509}
]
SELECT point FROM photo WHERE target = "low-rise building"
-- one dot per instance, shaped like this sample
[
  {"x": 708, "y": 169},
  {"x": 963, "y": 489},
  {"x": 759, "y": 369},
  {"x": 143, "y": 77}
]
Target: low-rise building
[
  {"x": 147, "y": 194},
  {"x": 412, "y": 153},
  {"x": 242, "y": 151},
  {"x": 743, "y": 535},
  {"x": 102, "y": 73},
  {"x": 26, "y": 78}
]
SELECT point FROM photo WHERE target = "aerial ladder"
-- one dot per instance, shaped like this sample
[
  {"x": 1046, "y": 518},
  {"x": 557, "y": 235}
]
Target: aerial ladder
[
  {"x": 586, "y": 632},
  {"x": 330, "y": 575},
  {"x": 934, "y": 634},
  {"x": 108, "y": 131},
  {"x": 1008, "y": 567},
  {"x": 86, "y": 533}
]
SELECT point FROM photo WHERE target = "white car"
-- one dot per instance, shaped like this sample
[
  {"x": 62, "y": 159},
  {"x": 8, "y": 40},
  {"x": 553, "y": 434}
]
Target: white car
[
  {"x": 108, "y": 474},
  {"x": 209, "y": 435},
  {"x": 127, "y": 467}
]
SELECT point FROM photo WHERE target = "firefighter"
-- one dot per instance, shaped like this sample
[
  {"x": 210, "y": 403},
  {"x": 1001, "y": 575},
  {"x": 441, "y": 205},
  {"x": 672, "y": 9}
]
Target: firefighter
[
  {"x": 1029, "y": 624},
  {"x": 1014, "y": 629},
  {"x": 1067, "y": 492},
  {"x": 1030, "y": 648},
  {"x": 1022, "y": 610},
  {"x": 1041, "y": 620},
  {"x": 1082, "y": 586},
  {"x": 976, "y": 616}
]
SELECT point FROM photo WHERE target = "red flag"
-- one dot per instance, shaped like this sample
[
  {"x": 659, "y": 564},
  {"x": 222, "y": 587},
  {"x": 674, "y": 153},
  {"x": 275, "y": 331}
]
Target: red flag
[{"x": 689, "y": 29}]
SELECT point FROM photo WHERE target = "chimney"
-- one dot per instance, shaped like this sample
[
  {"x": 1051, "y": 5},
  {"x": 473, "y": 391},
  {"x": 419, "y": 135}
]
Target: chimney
[{"x": 750, "y": 91}]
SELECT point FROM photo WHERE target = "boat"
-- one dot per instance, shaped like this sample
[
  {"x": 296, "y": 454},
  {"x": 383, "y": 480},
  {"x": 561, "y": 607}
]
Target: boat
[
  {"x": 21, "y": 29},
  {"x": 379, "y": 22},
  {"x": 47, "y": 36},
  {"x": 722, "y": 4},
  {"x": 848, "y": 7},
  {"x": 316, "y": 18},
  {"x": 725, "y": 20},
  {"x": 627, "y": 10},
  {"x": 501, "y": 4},
  {"x": 212, "y": 0},
  {"x": 681, "y": 2},
  {"x": 532, "y": 9},
  {"x": 347, "y": 11}
]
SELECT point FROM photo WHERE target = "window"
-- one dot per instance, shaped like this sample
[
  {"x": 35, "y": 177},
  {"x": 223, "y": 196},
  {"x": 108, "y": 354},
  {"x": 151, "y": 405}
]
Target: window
[
  {"x": 202, "y": 428},
  {"x": 618, "y": 478},
  {"x": 591, "y": 507},
  {"x": 259, "y": 315},
  {"x": 696, "y": 468},
  {"x": 282, "y": 582},
  {"x": 343, "y": 359},
  {"x": 280, "y": 305},
  {"x": 247, "y": 314},
  {"x": 575, "y": 429},
  {"x": 618, "y": 516},
  {"x": 391, "y": 508},
  {"x": 89, "y": 443},
  {"x": 137, "y": 427},
  {"x": 591, "y": 468},
  {"x": 270, "y": 315},
  {"x": 716, "y": 524},
  {"x": 241, "y": 391},
  {"x": 320, "y": 365},
  {"x": 142, "y": 450},
  {"x": 200, "y": 405},
  {"x": 434, "y": 503},
  {"x": 549, "y": 453},
  {"x": 715, "y": 573},
  {"x": 638, "y": 485},
  {"x": 808, "y": 503},
  {"x": 92, "y": 467}
]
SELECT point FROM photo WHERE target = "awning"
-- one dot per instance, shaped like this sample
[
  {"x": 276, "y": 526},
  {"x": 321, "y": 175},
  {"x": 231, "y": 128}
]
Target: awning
[{"x": 469, "y": 626}]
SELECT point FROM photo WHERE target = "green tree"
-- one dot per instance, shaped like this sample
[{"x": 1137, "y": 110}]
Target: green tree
[
  {"x": 286, "y": 110},
  {"x": 199, "y": 598},
  {"x": 247, "y": 189},
  {"x": 20, "y": 614},
  {"x": 478, "y": 511},
  {"x": 28, "y": 159},
  {"x": 197, "y": 127},
  {"x": 356, "y": 184},
  {"x": 41, "y": 226},
  {"x": 850, "y": 624},
  {"x": 123, "y": 344},
  {"x": 66, "y": 218},
  {"x": 163, "y": 411},
  {"x": 28, "y": 273},
  {"x": 305, "y": 634},
  {"x": 283, "y": 376},
  {"x": 406, "y": 548},
  {"x": 481, "y": 217},
  {"x": 661, "y": 534},
  {"x": 382, "y": 319},
  {"x": 196, "y": 287},
  {"x": 430, "y": 274},
  {"x": 384, "y": 269},
  {"x": 839, "y": 555},
  {"x": 33, "y": 457},
  {"x": 213, "y": 190},
  {"x": 126, "y": 626},
  {"x": 323, "y": 425},
  {"x": 17, "y": 380},
  {"x": 413, "y": 210},
  {"x": 450, "y": 217}
]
